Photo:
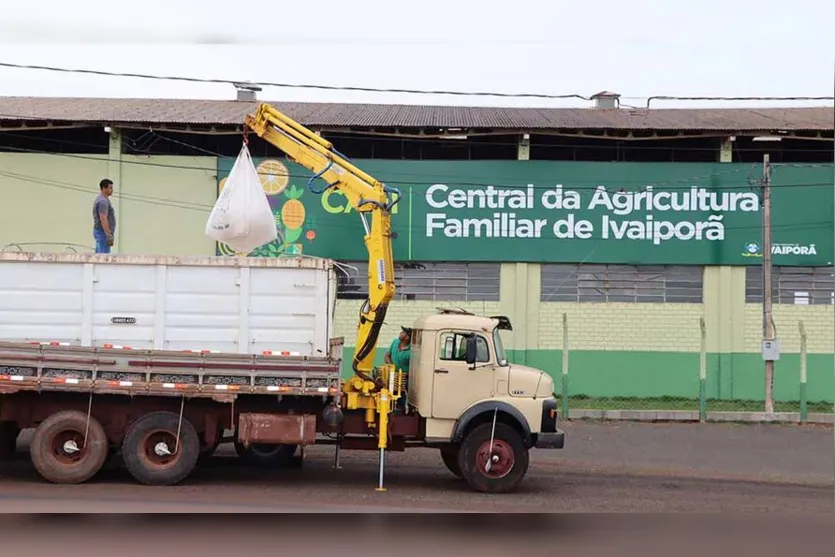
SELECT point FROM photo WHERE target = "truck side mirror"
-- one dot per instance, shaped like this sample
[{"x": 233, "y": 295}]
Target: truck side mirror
[{"x": 472, "y": 350}]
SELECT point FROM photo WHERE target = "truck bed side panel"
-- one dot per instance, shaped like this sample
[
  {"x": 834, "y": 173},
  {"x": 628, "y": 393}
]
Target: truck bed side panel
[
  {"x": 36, "y": 304},
  {"x": 164, "y": 303}
]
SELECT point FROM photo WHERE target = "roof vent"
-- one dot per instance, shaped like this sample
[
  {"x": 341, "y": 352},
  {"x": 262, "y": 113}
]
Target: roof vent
[
  {"x": 247, "y": 91},
  {"x": 605, "y": 99}
]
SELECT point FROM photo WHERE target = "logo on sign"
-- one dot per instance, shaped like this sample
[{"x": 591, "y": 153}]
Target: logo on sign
[{"x": 752, "y": 249}]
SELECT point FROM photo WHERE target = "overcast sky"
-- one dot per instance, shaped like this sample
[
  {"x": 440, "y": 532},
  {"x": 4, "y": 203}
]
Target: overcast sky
[{"x": 637, "y": 48}]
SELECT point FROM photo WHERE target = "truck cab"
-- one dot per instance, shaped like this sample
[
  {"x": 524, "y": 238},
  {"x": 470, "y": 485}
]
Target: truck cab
[{"x": 476, "y": 406}]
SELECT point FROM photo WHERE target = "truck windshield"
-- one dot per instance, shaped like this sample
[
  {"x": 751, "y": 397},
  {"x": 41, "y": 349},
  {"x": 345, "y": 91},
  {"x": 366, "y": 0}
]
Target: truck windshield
[{"x": 501, "y": 359}]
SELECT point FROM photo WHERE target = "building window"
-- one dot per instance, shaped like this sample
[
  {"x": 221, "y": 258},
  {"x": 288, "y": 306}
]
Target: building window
[
  {"x": 801, "y": 286},
  {"x": 427, "y": 281},
  {"x": 621, "y": 283}
]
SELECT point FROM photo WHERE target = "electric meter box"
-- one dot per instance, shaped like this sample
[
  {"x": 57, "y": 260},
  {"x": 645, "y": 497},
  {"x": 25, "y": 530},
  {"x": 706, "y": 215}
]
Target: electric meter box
[{"x": 771, "y": 350}]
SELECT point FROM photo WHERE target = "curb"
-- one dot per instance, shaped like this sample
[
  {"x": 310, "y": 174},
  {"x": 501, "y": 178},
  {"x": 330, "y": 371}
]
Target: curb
[{"x": 693, "y": 416}]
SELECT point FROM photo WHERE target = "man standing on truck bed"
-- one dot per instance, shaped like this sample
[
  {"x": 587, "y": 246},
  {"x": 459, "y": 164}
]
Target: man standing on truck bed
[
  {"x": 104, "y": 218},
  {"x": 399, "y": 354}
]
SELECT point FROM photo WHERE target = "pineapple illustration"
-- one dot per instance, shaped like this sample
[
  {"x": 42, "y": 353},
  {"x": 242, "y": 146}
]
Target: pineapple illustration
[
  {"x": 290, "y": 220},
  {"x": 293, "y": 213}
]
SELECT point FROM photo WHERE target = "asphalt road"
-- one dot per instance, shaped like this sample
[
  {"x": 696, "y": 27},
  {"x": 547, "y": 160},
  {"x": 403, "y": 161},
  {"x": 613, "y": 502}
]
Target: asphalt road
[{"x": 609, "y": 467}]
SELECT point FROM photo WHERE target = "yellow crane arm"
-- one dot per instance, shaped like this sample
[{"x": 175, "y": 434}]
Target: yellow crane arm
[{"x": 365, "y": 194}]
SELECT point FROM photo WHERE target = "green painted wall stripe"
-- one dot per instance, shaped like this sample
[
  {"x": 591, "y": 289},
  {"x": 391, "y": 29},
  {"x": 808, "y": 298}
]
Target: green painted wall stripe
[
  {"x": 410, "y": 224},
  {"x": 673, "y": 374}
]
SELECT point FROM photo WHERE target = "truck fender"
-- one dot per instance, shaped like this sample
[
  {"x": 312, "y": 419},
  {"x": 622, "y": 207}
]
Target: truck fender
[{"x": 488, "y": 407}]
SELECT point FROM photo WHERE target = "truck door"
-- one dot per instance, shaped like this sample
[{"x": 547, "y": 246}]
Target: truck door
[{"x": 455, "y": 385}]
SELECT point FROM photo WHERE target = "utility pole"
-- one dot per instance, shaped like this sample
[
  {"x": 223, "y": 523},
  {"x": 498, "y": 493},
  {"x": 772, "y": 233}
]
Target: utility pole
[{"x": 768, "y": 321}]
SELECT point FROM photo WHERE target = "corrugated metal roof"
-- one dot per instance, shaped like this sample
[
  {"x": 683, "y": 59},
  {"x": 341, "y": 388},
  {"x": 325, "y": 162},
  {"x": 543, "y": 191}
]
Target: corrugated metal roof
[{"x": 179, "y": 111}]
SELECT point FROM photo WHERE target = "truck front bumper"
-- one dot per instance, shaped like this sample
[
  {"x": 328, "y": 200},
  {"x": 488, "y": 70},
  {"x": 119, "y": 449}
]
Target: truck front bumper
[{"x": 553, "y": 440}]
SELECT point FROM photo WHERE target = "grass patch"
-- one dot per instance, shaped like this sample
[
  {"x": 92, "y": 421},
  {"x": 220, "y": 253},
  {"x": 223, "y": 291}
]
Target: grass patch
[{"x": 673, "y": 403}]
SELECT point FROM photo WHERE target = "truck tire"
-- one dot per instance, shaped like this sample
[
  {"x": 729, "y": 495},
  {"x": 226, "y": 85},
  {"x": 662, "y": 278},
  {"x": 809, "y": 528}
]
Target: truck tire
[
  {"x": 450, "y": 457},
  {"x": 265, "y": 455},
  {"x": 59, "y": 451},
  {"x": 148, "y": 450},
  {"x": 9, "y": 433},
  {"x": 510, "y": 458}
]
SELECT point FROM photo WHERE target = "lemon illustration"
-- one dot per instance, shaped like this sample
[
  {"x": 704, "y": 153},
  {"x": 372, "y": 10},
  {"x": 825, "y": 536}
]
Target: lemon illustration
[{"x": 274, "y": 176}]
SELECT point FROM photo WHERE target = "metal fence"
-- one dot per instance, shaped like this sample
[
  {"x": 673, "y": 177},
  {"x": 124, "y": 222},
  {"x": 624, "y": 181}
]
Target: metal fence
[{"x": 713, "y": 390}]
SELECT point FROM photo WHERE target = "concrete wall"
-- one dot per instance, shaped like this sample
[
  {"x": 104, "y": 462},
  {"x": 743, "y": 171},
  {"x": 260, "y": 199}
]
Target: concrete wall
[
  {"x": 646, "y": 349},
  {"x": 162, "y": 191},
  {"x": 161, "y": 202},
  {"x": 48, "y": 198}
]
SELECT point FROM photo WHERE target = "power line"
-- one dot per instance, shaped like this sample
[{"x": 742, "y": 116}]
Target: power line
[
  {"x": 675, "y": 98},
  {"x": 292, "y": 85},
  {"x": 340, "y": 225},
  {"x": 329, "y": 222},
  {"x": 245, "y": 83},
  {"x": 454, "y": 179},
  {"x": 187, "y": 205},
  {"x": 682, "y": 184},
  {"x": 616, "y": 145}
]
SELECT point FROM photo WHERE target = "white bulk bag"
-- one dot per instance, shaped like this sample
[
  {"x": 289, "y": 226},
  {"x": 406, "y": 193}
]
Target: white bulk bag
[{"x": 242, "y": 217}]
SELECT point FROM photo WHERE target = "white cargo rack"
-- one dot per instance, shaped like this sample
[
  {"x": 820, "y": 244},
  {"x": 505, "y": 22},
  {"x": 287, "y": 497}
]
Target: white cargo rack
[{"x": 216, "y": 304}]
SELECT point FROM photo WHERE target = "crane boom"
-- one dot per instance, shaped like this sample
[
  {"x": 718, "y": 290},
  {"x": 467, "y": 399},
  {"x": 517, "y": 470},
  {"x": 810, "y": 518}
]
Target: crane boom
[{"x": 365, "y": 194}]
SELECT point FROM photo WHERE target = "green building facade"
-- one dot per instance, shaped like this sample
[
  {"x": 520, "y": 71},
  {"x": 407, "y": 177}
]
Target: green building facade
[{"x": 618, "y": 262}]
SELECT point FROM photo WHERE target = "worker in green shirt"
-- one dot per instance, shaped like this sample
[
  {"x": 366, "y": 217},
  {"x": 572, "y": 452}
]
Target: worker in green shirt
[{"x": 399, "y": 354}]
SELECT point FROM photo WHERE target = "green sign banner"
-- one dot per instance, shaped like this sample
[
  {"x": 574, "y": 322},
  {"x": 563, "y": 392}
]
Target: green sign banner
[{"x": 569, "y": 212}]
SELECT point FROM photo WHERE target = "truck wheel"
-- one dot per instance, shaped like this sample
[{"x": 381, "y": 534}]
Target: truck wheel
[
  {"x": 152, "y": 453},
  {"x": 9, "y": 433},
  {"x": 450, "y": 457},
  {"x": 508, "y": 464},
  {"x": 60, "y": 453},
  {"x": 265, "y": 455}
]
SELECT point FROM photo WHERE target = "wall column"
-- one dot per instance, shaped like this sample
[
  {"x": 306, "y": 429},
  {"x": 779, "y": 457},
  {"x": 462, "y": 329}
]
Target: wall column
[
  {"x": 519, "y": 300},
  {"x": 520, "y": 286},
  {"x": 114, "y": 172},
  {"x": 523, "y": 148},
  {"x": 726, "y": 150},
  {"x": 724, "y": 303}
]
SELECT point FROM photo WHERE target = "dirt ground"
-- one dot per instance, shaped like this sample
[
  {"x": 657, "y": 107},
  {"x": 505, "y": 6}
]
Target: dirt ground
[{"x": 605, "y": 467}]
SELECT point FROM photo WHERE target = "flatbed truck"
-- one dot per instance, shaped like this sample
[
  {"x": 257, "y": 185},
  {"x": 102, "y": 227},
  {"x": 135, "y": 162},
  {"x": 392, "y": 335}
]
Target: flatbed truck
[{"x": 163, "y": 408}]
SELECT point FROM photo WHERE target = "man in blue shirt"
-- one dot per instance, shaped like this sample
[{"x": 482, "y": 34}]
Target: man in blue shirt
[{"x": 399, "y": 354}]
